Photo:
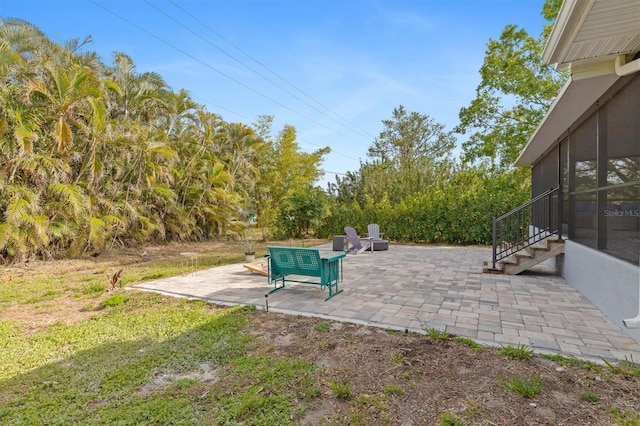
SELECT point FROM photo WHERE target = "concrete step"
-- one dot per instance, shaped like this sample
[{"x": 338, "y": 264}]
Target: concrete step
[
  {"x": 527, "y": 262},
  {"x": 527, "y": 258}
]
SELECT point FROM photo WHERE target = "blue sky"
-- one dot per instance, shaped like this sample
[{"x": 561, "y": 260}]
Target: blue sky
[{"x": 332, "y": 69}]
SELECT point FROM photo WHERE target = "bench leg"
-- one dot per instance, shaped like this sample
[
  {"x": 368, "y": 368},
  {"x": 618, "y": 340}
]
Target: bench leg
[
  {"x": 332, "y": 276},
  {"x": 276, "y": 287},
  {"x": 333, "y": 293}
]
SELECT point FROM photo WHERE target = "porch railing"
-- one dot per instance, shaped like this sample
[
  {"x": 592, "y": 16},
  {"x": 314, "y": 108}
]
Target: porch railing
[{"x": 525, "y": 225}]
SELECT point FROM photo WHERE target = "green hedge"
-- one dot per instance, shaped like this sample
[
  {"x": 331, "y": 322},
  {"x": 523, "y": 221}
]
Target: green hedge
[{"x": 459, "y": 212}]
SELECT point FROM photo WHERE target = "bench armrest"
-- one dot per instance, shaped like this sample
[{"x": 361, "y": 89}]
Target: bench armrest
[{"x": 334, "y": 257}]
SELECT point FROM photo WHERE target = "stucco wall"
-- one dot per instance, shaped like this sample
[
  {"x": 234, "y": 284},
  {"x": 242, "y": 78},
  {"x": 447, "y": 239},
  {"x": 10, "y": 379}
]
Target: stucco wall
[{"x": 609, "y": 283}]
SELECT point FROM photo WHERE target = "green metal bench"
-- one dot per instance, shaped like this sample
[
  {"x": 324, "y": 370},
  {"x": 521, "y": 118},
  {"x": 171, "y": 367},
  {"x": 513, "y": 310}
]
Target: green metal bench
[{"x": 287, "y": 264}]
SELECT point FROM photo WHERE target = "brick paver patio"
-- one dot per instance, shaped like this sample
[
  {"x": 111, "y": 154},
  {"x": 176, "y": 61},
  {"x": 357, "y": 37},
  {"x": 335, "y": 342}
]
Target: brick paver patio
[{"x": 418, "y": 288}]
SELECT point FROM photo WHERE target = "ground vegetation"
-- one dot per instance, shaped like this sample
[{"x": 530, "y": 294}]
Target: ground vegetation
[{"x": 80, "y": 348}]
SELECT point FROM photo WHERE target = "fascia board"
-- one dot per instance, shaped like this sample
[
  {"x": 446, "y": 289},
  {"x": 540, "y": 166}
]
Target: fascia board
[{"x": 569, "y": 21}]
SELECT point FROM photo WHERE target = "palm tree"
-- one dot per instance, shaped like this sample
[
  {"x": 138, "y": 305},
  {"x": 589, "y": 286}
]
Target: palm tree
[
  {"x": 92, "y": 155},
  {"x": 134, "y": 96},
  {"x": 237, "y": 145}
]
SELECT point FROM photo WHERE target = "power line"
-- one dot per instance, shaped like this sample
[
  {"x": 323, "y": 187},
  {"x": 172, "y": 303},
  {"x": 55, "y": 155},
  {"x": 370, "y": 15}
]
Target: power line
[
  {"x": 217, "y": 70},
  {"x": 350, "y": 126},
  {"x": 297, "y": 138},
  {"x": 333, "y": 173},
  {"x": 207, "y": 65},
  {"x": 249, "y": 68},
  {"x": 332, "y": 151}
]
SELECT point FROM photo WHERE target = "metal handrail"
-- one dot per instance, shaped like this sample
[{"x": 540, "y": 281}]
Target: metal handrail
[{"x": 525, "y": 225}]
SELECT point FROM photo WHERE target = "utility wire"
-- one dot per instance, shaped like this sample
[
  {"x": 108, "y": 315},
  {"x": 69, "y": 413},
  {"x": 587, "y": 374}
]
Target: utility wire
[
  {"x": 219, "y": 106},
  {"x": 220, "y": 72},
  {"x": 251, "y": 69},
  {"x": 351, "y": 126},
  {"x": 208, "y": 65}
]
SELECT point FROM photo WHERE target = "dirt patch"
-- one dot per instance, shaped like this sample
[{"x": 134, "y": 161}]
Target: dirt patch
[
  {"x": 412, "y": 379},
  {"x": 34, "y": 318},
  {"x": 205, "y": 374}
]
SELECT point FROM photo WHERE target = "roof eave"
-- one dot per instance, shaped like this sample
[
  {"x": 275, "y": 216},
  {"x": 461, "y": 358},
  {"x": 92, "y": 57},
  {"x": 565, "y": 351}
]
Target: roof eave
[
  {"x": 575, "y": 98},
  {"x": 570, "y": 18}
]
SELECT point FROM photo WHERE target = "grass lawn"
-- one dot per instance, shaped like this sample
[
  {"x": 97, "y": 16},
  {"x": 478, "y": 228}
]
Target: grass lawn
[{"x": 75, "y": 351}]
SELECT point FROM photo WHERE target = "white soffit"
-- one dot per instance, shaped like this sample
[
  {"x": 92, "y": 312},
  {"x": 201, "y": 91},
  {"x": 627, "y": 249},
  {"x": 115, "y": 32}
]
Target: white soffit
[
  {"x": 588, "y": 29},
  {"x": 587, "y": 36},
  {"x": 573, "y": 100}
]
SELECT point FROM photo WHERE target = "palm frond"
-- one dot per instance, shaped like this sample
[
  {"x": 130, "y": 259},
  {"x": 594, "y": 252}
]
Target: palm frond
[
  {"x": 74, "y": 196},
  {"x": 96, "y": 231}
]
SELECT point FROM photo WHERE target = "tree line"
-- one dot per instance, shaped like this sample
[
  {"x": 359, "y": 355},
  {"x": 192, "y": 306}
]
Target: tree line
[
  {"x": 415, "y": 186},
  {"x": 96, "y": 155}
]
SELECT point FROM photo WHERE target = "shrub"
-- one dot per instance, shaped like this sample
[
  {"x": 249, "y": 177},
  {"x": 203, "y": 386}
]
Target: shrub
[{"x": 456, "y": 210}]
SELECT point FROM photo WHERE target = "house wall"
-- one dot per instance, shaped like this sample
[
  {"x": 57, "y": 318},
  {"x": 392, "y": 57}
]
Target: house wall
[
  {"x": 611, "y": 284},
  {"x": 596, "y": 164}
]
